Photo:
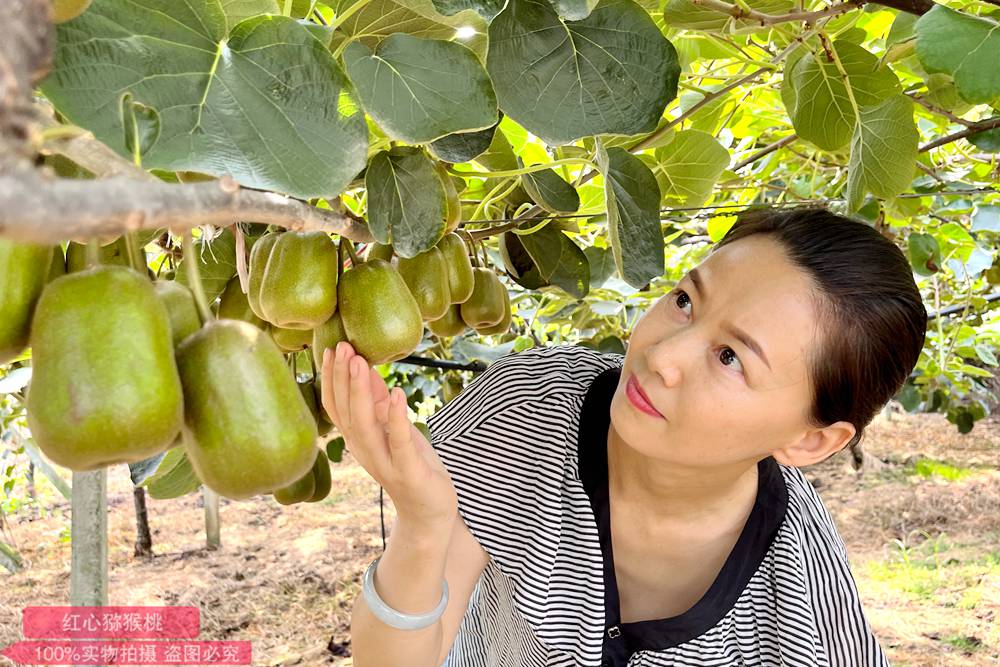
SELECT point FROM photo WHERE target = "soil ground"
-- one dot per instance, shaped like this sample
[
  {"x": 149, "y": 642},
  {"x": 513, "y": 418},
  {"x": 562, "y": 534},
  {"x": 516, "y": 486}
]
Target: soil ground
[{"x": 921, "y": 523}]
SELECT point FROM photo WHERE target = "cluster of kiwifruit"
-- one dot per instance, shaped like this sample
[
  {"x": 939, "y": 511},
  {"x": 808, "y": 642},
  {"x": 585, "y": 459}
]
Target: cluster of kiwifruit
[{"x": 125, "y": 368}]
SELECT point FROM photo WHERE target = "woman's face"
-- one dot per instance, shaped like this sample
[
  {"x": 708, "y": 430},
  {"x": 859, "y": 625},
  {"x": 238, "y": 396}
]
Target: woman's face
[{"x": 721, "y": 404}]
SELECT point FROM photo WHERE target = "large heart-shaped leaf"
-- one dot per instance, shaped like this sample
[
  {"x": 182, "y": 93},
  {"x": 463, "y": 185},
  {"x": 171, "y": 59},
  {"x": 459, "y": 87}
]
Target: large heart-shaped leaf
[
  {"x": 548, "y": 189},
  {"x": 419, "y": 89},
  {"x": 687, "y": 14},
  {"x": 822, "y": 111},
  {"x": 967, "y": 47},
  {"x": 237, "y": 10},
  {"x": 573, "y": 10},
  {"x": 463, "y": 146},
  {"x": 689, "y": 166},
  {"x": 633, "y": 201},
  {"x": 560, "y": 261},
  {"x": 602, "y": 264},
  {"x": 228, "y": 102},
  {"x": 485, "y": 8},
  {"x": 883, "y": 151},
  {"x": 613, "y": 72},
  {"x": 377, "y": 19},
  {"x": 406, "y": 201},
  {"x": 175, "y": 477},
  {"x": 988, "y": 141}
]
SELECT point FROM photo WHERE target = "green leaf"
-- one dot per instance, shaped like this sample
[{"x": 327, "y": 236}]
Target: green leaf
[
  {"x": 417, "y": 103},
  {"x": 632, "y": 196},
  {"x": 924, "y": 253},
  {"x": 788, "y": 96},
  {"x": 485, "y": 8},
  {"x": 883, "y": 151},
  {"x": 988, "y": 140},
  {"x": 519, "y": 265},
  {"x": 902, "y": 29},
  {"x": 547, "y": 189},
  {"x": 822, "y": 111},
  {"x": 705, "y": 118},
  {"x": 686, "y": 14},
  {"x": 237, "y": 10},
  {"x": 602, "y": 264},
  {"x": 573, "y": 10},
  {"x": 175, "y": 477},
  {"x": 141, "y": 125},
  {"x": 689, "y": 166},
  {"x": 265, "y": 103},
  {"x": 499, "y": 156},
  {"x": 216, "y": 264},
  {"x": 613, "y": 72},
  {"x": 966, "y": 47},
  {"x": 406, "y": 200},
  {"x": 141, "y": 470},
  {"x": 560, "y": 261},
  {"x": 378, "y": 19},
  {"x": 463, "y": 146}
]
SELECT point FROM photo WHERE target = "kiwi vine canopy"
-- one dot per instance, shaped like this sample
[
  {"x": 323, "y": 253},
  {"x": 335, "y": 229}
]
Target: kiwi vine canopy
[{"x": 525, "y": 444}]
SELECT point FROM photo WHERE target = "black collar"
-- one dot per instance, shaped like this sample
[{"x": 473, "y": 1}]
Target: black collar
[{"x": 752, "y": 546}]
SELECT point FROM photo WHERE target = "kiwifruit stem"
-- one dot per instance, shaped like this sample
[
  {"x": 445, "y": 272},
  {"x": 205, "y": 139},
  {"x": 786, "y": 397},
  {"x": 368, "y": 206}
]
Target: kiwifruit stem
[
  {"x": 195, "y": 277},
  {"x": 340, "y": 258},
  {"x": 470, "y": 249},
  {"x": 350, "y": 251},
  {"x": 93, "y": 253},
  {"x": 136, "y": 256}
]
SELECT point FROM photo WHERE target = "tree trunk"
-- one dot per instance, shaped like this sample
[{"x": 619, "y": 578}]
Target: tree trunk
[
  {"x": 143, "y": 539},
  {"x": 213, "y": 537}
]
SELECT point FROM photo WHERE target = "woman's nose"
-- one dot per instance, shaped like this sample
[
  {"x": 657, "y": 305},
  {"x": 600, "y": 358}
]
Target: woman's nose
[{"x": 667, "y": 359}]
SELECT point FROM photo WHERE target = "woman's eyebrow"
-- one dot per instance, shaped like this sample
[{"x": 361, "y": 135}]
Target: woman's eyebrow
[{"x": 699, "y": 285}]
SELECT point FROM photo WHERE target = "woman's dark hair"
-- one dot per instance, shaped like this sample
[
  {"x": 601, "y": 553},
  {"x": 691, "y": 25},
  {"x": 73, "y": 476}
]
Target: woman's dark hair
[{"x": 869, "y": 307}]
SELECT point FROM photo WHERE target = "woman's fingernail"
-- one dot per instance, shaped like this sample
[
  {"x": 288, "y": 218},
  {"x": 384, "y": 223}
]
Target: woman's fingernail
[{"x": 354, "y": 368}]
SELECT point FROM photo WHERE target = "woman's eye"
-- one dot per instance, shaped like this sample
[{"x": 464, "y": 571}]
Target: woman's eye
[{"x": 681, "y": 293}]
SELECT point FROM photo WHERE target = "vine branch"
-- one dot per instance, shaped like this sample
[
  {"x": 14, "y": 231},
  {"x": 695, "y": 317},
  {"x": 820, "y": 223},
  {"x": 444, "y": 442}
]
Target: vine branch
[
  {"x": 770, "y": 148},
  {"x": 34, "y": 207},
  {"x": 38, "y": 206},
  {"x": 771, "y": 19},
  {"x": 974, "y": 128}
]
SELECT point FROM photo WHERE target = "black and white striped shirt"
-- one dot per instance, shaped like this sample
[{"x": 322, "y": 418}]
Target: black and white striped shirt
[{"x": 515, "y": 443}]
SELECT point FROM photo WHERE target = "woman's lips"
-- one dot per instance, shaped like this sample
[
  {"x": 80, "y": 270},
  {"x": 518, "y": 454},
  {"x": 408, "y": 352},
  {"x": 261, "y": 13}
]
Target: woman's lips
[{"x": 638, "y": 399}]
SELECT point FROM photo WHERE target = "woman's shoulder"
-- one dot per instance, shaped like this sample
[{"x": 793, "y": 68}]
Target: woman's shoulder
[
  {"x": 540, "y": 378},
  {"x": 809, "y": 516},
  {"x": 572, "y": 363},
  {"x": 547, "y": 369}
]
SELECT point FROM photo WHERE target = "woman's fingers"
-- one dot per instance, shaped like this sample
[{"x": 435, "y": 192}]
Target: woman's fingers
[
  {"x": 341, "y": 385},
  {"x": 380, "y": 392},
  {"x": 381, "y": 395},
  {"x": 327, "y": 388},
  {"x": 364, "y": 427},
  {"x": 400, "y": 438}
]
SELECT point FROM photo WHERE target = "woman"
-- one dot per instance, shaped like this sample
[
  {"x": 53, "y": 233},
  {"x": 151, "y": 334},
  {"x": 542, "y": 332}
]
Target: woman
[{"x": 647, "y": 509}]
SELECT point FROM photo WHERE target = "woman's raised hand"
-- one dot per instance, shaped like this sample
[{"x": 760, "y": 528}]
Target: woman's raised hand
[{"x": 379, "y": 434}]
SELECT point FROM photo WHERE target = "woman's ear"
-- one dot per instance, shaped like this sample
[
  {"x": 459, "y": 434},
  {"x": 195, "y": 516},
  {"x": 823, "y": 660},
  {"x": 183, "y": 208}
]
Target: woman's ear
[{"x": 816, "y": 445}]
